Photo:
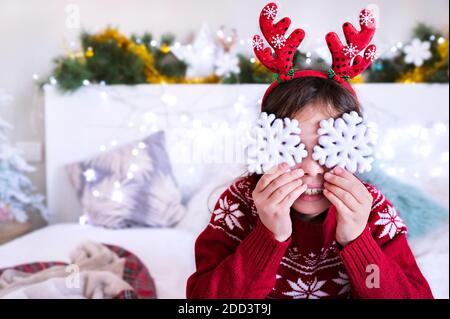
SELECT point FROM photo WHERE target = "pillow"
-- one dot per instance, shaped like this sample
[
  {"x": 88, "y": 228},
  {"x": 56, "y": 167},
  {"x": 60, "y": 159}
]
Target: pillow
[
  {"x": 420, "y": 213},
  {"x": 132, "y": 185},
  {"x": 201, "y": 204}
]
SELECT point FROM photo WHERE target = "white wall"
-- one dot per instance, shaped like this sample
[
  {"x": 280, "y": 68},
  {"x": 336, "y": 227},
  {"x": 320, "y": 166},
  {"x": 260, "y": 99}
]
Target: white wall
[{"x": 32, "y": 33}]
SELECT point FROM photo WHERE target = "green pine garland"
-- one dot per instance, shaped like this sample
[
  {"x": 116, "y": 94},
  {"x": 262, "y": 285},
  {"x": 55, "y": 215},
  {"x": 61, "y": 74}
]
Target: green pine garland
[{"x": 112, "y": 64}]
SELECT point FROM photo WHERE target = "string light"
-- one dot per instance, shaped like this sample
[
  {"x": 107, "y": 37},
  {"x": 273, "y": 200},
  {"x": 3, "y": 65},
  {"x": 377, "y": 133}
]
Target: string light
[
  {"x": 169, "y": 100},
  {"x": 90, "y": 175},
  {"x": 83, "y": 220},
  {"x": 149, "y": 117},
  {"x": 440, "y": 128},
  {"x": 104, "y": 95},
  {"x": 35, "y": 77},
  {"x": 417, "y": 142},
  {"x": 437, "y": 171},
  {"x": 141, "y": 145},
  {"x": 117, "y": 196},
  {"x": 53, "y": 81},
  {"x": 86, "y": 82}
]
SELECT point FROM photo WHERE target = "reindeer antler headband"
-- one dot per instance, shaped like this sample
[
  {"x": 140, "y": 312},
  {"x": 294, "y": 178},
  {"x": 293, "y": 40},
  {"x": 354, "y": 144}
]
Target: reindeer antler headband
[{"x": 347, "y": 61}]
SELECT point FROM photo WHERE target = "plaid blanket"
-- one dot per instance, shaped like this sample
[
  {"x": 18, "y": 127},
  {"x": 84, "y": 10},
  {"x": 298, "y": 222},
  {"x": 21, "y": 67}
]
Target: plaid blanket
[{"x": 135, "y": 274}]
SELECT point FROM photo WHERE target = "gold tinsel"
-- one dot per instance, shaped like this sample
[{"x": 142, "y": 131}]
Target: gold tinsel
[
  {"x": 164, "y": 48},
  {"x": 415, "y": 76},
  {"x": 89, "y": 53},
  {"x": 357, "y": 79},
  {"x": 152, "y": 75},
  {"x": 443, "y": 49}
]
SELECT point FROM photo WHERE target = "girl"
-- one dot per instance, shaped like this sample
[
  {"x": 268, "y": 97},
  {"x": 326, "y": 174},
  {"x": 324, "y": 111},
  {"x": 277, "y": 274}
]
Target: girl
[{"x": 305, "y": 231}]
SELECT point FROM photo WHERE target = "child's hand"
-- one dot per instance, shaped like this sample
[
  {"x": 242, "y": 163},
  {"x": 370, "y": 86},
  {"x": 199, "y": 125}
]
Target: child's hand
[
  {"x": 274, "y": 194},
  {"x": 353, "y": 203}
]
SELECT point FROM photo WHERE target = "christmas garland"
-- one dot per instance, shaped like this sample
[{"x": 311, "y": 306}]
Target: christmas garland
[{"x": 109, "y": 57}]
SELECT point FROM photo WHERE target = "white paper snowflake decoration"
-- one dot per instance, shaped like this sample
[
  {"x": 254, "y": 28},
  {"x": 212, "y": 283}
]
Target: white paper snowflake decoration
[
  {"x": 417, "y": 52},
  {"x": 274, "y": 141},
  {"x": 346, "y": 142}
]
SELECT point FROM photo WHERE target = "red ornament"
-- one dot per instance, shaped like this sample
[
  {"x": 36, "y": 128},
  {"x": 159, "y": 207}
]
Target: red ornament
[
  {"x": 284, "y": 48},
  {"x": 347, "y": 61}
]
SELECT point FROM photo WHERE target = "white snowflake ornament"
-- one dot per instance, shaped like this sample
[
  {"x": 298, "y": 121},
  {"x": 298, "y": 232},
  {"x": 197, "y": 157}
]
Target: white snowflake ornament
[
  {"x": 227, "y": 64},
  {"x": 351, "y": 50},
  {"x": 274, "y": 141},
  {"x": 366, "y": 18},
  {"x": 270, "y": 12},
  {"x": 278, "y": 41},
  {"x": 417, "y": 52},
  {"x": 346, "y": 142}
]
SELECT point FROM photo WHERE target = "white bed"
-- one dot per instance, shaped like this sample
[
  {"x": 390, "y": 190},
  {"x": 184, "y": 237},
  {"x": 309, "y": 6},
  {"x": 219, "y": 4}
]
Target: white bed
[
  {"x": 167, "y": 253},
  {"x": 76, "y": 125}
]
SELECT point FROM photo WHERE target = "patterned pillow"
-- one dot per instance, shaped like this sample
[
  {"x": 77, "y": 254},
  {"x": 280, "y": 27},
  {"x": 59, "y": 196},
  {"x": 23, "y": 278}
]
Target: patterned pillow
[{"x": 132, "y": 185}]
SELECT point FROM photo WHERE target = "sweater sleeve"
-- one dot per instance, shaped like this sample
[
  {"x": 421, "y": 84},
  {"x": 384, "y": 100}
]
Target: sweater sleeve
[
  {"x": 236, "y": 255},
  {"x": 379, "y": 262}
]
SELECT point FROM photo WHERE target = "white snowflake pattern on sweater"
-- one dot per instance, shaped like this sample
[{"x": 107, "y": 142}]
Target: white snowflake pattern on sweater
[
  {"x": 306, "y": 290},
  {"x": 391, "y": 222},
  {"x": 229, "y": 213}
]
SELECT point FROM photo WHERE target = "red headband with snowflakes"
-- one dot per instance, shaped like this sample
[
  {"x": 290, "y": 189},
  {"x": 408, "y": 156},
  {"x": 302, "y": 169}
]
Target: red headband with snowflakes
[{"x": 347, "y": 61}]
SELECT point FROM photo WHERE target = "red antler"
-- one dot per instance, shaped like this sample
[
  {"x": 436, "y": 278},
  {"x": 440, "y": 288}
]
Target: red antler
[
  {"x": 356, "y": 42},
  {"x": 281, "y": 62}
]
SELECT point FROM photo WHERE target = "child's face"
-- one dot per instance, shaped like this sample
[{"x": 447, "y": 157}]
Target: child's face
[{"x": 312, "y": 203}]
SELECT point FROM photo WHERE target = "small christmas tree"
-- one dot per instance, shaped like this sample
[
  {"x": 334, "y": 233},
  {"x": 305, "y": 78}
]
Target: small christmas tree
[{"x": 17, "y": 194}]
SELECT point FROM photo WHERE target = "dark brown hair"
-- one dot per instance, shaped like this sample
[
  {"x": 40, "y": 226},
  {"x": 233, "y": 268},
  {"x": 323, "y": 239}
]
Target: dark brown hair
[{"x": 290, "y": 97}]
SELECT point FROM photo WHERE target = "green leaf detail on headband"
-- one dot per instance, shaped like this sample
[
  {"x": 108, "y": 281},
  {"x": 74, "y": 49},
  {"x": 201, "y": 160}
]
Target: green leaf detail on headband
[
  {"x": 276, "y": 76},
  {"x": 289, "y": 74},
  {"x": 331, "y": 74}
]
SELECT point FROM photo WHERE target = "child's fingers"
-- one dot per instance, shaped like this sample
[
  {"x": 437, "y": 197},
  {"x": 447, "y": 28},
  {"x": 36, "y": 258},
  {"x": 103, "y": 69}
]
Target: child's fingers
[
  {"x": 282, "y": 180},
  {"x": 290, "y": 198},
  {"x": 340, "y": 206},
  {"x": 346, "y": 197},
  {"x": 268, "y": 177},
  {"x": 281, "y": 192},
  {"x": 345, "y": 180}
]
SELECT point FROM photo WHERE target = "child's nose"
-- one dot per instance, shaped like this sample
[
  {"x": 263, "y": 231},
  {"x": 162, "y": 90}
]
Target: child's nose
[{"x": 312, "y": 167}]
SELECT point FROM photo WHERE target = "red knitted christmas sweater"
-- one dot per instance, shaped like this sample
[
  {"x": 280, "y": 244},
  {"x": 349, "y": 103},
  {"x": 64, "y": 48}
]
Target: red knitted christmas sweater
[{"x": 238, "y": 257}]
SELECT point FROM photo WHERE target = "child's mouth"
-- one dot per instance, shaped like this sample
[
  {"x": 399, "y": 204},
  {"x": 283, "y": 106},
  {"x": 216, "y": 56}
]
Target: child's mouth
[
  {"x": 313, "y": 191},
  {"x": 312, "y": 194}
]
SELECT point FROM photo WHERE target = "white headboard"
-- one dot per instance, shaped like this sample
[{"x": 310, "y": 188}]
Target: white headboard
[{"x": 95, "y": 118}]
